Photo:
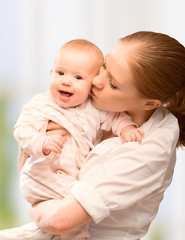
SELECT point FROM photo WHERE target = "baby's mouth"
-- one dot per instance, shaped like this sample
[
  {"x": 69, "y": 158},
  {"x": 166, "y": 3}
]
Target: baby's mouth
[{"x": 65, "y": 95}]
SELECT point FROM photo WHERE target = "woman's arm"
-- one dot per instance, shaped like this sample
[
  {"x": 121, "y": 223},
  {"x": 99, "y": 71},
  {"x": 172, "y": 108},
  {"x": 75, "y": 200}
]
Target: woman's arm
[
  {"x": 116, "y": 178},
  {"x": 58, "y": 216},
  {"x": 111, "y": 182}
]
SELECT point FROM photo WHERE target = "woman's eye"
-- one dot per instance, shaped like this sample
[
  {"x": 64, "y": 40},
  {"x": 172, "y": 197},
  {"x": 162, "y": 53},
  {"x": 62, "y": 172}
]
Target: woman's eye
[
  {"x": 78, "y": 77},
  {"x": 112, "y": 85},
  {"x": 61, "y": 73}
]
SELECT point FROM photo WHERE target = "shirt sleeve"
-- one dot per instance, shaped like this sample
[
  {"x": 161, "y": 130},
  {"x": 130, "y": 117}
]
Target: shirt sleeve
[
  {"x": 93, "y": 204},
  {"x": 123, "y": 174}
]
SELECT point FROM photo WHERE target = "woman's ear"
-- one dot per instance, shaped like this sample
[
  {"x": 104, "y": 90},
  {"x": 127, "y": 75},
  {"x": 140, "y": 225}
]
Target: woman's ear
[{"x": 151, "y": 104}]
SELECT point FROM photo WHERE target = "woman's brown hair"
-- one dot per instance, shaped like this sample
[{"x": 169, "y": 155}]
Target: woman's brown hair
[{"x": 157, "y": 62}]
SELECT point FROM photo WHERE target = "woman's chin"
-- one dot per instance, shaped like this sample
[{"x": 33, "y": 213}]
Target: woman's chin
[{"x": 95, "y": 104}]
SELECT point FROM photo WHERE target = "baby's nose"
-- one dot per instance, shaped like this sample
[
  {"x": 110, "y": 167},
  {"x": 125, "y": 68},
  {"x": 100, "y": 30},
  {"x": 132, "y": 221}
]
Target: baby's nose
[{"x": 66, "y": 81}]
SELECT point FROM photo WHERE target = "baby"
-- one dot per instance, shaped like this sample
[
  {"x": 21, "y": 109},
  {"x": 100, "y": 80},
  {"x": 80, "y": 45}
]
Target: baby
[{"x": 52, "y": 162}]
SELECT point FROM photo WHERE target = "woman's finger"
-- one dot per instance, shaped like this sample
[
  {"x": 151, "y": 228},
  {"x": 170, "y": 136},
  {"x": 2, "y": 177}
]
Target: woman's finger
[
  {"x": 61, "y": 132},
  {"x": 53, "y": 126}
]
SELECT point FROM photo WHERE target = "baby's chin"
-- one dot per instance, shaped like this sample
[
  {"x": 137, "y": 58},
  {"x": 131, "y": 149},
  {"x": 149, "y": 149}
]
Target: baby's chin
[
  {"x": 66, "y": 104},
  {"x": 62, "y": 104}
]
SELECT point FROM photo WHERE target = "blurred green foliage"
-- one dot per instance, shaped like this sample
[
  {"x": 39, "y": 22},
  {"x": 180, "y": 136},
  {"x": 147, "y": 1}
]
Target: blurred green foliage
[{"x": 7, "y": 215}]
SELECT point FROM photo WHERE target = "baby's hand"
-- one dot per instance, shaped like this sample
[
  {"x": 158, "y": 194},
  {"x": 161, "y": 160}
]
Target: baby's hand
[
  {"x": 53, "y": 143},
  {"x": 132, "y": 134}
]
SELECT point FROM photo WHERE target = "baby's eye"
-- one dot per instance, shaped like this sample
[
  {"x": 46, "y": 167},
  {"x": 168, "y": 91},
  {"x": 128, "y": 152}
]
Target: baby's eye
[
  {"x": 61, "y": 73},
  {"x": 78, "y": 77}
]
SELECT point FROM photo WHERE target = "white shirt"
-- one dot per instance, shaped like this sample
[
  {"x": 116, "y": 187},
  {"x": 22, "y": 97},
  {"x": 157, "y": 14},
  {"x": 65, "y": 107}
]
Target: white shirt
[{"x": 122, "y": 185}]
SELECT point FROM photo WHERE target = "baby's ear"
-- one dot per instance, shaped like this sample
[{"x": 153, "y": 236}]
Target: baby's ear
[
  {"x": 152, "y": 104},
  {"x": 51, "y": 71}
]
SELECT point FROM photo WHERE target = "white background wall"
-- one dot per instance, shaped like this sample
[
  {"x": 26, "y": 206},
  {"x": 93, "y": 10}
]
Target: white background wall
[{"x": 31, "y": 31}]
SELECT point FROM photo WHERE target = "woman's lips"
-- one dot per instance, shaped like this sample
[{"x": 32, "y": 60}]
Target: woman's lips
[
  {"x": 65, "y": 96},
  {"x": 92, "y": 94}
]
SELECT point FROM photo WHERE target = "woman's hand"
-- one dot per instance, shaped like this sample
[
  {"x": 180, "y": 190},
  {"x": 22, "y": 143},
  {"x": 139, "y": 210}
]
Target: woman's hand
[
  {"x": 55, "y": 129},
  {"x": 58, "y": 216}
]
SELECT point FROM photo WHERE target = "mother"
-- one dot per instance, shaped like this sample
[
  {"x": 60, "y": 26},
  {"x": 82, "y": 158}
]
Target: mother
[{"x": 120, "y": 186}]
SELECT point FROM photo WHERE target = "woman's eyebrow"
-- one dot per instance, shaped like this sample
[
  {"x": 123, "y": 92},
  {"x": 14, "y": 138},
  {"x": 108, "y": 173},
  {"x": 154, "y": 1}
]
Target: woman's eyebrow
[{"x": 108, "y": 63}]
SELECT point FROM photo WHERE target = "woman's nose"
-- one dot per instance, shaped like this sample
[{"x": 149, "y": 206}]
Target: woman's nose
[{"x": 98, "y": 82}]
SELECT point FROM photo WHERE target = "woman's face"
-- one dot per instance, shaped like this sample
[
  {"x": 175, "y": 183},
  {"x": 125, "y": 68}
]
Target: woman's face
[{"x": 113, "y": 89}]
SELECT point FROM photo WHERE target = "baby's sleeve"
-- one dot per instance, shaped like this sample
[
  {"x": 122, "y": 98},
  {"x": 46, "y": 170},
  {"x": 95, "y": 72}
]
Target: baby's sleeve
[
  {"x": 28, "y": 131},
  {"x": 116, "y": 122}
]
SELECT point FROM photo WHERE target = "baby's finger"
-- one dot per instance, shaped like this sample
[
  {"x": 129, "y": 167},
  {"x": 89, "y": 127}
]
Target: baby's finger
[
  {"x": 129, "y": 137},
  {"x": 55, "y": 148},
  {"x": 140, "y": 130},
  {"x": 62, "y": 138},
  {"x": 60, "y": 141},
  {"x": 138, "y": 137}
]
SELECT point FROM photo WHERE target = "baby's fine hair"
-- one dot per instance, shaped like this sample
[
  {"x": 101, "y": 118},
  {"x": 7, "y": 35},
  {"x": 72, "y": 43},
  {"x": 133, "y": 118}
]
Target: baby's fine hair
[
  {"x": 84, "y": 45},
  {"x": 157, "y": 63}
]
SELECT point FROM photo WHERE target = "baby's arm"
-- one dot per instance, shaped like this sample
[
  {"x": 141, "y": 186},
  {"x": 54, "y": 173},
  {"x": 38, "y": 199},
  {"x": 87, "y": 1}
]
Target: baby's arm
[
  {"x": 132, "y": 134},
  {"x": 30, "y": 139},
  {"x": 36, "y": 143},
  {"x": 122, "y": 126},
  {"x": 30, "y": 134}
]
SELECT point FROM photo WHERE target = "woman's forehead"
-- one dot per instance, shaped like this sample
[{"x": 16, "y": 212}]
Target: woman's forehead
[
  {"x": 113, "y": 65},
  {"x": 116, "y": 61}
]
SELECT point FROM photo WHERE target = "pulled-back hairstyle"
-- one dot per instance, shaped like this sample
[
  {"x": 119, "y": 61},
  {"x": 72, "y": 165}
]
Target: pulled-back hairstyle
[{"x": 157, "y": 63}]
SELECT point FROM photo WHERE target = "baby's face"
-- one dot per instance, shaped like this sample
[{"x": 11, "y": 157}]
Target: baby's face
[{"x": 71, "y": 78}]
